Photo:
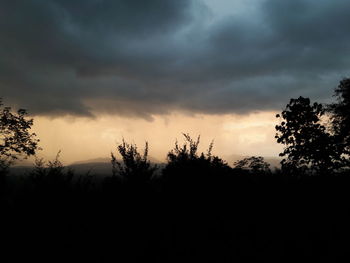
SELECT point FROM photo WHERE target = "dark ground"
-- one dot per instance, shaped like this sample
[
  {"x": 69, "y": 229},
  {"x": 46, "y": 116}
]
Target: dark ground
[{"x": 225, "y": 217}]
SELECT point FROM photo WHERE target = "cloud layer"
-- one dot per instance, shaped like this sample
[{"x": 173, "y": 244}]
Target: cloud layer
[{"x": 139, "y": 58}]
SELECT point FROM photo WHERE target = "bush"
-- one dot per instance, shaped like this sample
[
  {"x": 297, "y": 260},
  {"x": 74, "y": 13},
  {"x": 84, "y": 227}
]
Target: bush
[{"x": 135, "y": 167}]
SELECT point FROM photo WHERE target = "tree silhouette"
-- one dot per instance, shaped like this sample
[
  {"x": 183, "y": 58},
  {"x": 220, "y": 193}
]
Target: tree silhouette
[
  {"x": 187, "y": 152},
  {"x": 255, "y": 164},
  {"x": 185, "y": 164},
  {"x": 51, "y": 173},
  {"x": 309, "y": 147},
  {"x": 16, "y": 141},
  {"x": 134, "y": 166},
  {"x": 340, "y": 118}
]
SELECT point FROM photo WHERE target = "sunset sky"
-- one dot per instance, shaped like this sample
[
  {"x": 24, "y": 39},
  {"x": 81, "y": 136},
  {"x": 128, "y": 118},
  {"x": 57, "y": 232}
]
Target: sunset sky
[{"x": 91, "y": 72}]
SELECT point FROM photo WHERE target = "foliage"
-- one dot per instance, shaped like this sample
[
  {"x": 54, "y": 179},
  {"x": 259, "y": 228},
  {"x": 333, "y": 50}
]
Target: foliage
[
  {"x": 309, "y": 147},
  {"x": 340, "y": 118},
  {"x": 186, "y": 164},
  {"x": 188, "y": 153},
  {"x": 255, "y": 164},
  {"x": 16, "y": 141},
  {"x": 51, "y": 173},
  {"x": 134, "y": 166}
]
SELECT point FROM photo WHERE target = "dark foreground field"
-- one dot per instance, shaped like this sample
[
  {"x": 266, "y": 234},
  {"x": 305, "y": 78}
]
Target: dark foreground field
[{"x": 200, "y": 216}]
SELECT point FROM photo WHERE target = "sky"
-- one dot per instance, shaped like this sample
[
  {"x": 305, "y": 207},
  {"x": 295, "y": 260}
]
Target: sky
[{"x": 91, "y": 72}]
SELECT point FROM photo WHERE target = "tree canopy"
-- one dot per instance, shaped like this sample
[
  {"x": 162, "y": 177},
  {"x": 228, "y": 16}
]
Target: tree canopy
[
  {"x": 16, "y": 140},
  {"x": 309, "y": 146},
  {"x": 340, "y": 118}
]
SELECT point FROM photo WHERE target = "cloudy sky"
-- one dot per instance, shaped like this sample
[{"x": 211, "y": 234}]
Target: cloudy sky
[{"x": 94, "y": 71}]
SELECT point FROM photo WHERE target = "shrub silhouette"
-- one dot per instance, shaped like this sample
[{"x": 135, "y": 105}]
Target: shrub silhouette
[
  {"x": 186, "y": 166},
  {"x": 135, "y": 167},
  {"x": 51, "y": 175},
  {"x": 186, "y": 153}
]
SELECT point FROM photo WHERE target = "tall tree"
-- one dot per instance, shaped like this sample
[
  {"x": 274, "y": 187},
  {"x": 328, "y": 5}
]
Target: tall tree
[
  {"x": 16, "y": 140},
  {"x": 340, "y": 119},
  {"x": 309, "y": 146}
]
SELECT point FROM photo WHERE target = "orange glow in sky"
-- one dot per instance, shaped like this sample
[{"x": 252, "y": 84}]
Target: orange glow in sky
[{"x": 86, "y": 138}]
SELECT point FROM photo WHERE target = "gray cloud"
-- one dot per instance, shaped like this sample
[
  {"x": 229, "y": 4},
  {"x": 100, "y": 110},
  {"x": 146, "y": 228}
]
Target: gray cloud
[{"x": 138, "y": 58}]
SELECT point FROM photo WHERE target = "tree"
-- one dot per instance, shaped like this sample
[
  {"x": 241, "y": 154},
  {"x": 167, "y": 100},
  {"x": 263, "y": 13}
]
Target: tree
[
  {"x": 309, "y": 146},
  {"x": 16, "y": 140},
  {"x": 187, "y": 166},
  {"x": 340, "y": 119},
  {"x": 134, "y": 166},
  {"x": 187, "y": 154},
  {"x": 254, "y": 164},
  {"x": 51, "y": 176}
]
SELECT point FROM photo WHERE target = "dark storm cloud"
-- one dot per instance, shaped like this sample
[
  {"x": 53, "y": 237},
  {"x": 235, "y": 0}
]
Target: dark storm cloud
[{"x": 139, "y": 58}]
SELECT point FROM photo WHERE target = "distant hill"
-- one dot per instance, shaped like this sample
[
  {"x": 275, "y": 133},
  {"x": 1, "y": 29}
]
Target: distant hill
[
  {"x": 108, "y": 160},
  {"x": 95, "y": 160},
  {"x": 102, "y": 166},
  {"x": 97, "y": 166},
  {"x": 92, "y": 168}
]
